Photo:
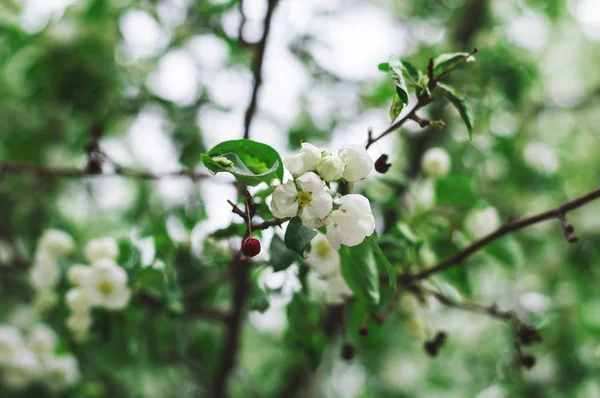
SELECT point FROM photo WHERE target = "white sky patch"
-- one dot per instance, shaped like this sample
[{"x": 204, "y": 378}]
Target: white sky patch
[
  {"x": 530, "y": 31},
  {"x": 587, "y": 12},
  {"x": 230, "y": 88},
  {"x": 218, "y": 126},
  {"x": 144, "y": 37},
  {"x": 176, "y": 78},
  {"x": 172, "y": 12},
  {"x": 208, "y": 51}
]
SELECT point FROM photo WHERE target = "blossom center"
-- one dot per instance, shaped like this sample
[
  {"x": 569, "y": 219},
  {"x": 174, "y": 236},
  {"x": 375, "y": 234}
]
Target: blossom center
[
  {"x": 322, "y": 249},
  {"x": 304, "y": 198},
  {"x": 105, "y": 287}
]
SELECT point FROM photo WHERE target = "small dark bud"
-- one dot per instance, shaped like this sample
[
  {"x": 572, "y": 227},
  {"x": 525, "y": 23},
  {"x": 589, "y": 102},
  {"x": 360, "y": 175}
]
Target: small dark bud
[
  {"x": 431, "y": 348},
  {"x": 94, "y": 165},
  {"x": 528, "y": 361},
  {"x": 441, "y": 338},
  {"x": 348, "y": 351},
  {"x": 382, "y": 165},
  {"x": 527, "y": 335},
  {"x": 363, "y": 331}
]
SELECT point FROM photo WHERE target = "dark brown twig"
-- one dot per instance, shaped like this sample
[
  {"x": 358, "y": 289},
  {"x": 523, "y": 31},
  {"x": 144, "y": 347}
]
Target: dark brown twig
[{"x": 507, "y": 228}]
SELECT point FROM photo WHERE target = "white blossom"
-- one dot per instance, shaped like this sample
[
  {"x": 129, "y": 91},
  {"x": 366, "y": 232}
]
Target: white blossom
[
  {"x": 57, "y": 243},
  {"x": 482, "y": 222},
  {"x": 106, "y": 285},
  {"x": 323, "y": 258},
  {"x": 337, "y": 290},
  {"x": 541, "y": 158},
  {"x": 314, "y": 201},
  {"x": 436, "y": 162},
  {"x": 358, "y": 163},
  {"x": 45, "y": 272},
  {"x": 45, "y": 300},
  {"x": 24, "y": 317},
  {"x": 306, "y": 160},
  {"x": 77, "y": 273},
  {"x": 79, "y": 323},
  {"x": 106, "y": 247},
  {"x": 11, "y": 340},
  {"x": 331, "y": 168},
  {"x": 492, "y": 392},
  {"x": 284, "y": 202},
  {"x": 42, "y": 340},
  {"x": 78, "y": 301},
  {"x": 351, "y": 223},
  {"x": 22, "y": 370},
  {"x": 61, "y": 372}
]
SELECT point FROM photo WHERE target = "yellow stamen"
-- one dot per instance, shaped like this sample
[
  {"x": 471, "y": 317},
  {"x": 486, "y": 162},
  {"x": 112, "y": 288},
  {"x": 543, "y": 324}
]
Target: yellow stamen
[
  {"x": 105, "y": 287},
  {"x": 304, "y": 198},
  {"x": 322, "y": 249}
]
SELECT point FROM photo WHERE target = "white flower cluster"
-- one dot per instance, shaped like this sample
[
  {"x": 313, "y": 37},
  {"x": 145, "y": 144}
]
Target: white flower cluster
[
  {"x": 45, "y": 272},
  {"x": 482, "y": 221},
  {"x": 103, "y": 284},
  {"x": 326, "y": 279},
  {"x": 27, "y": 355},
  {"x": 306, "y": 195}
]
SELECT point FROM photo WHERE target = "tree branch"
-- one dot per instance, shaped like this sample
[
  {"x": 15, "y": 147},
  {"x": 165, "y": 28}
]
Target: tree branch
[
  {"x": 257, "y": 67},
  {"x": 512, "y": 226},
  {"x": 72, "y": 172}
]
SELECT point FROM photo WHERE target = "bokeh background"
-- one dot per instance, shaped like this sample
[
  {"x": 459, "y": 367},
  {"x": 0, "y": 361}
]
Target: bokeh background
[{"x": 169, "y": 79}]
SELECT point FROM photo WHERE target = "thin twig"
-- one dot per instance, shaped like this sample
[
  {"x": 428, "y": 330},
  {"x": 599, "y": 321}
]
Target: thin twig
[
  {"x": 257, "y": 67},
  {"x": 507, "y": 228}
]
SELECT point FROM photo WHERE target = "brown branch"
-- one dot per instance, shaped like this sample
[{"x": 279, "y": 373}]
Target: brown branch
[
  {"x": 512, "y": 226},
  {"x": 73, "y": 172},
  {"x": 257, "y": 67}
]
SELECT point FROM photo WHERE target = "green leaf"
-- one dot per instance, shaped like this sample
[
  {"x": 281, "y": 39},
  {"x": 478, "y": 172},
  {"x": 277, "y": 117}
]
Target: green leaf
[
  {"x": 461, "y": 104},
  {"x": 445, "y": 61},
  {"x": 396, "y": 71},
  {"x": 384, "y": 67},
  {"x": 455, "y": 190},
  {"x": 396, "y": 107},
  {"x": 382, "y": 260},
  {"x": 507, "y": 251},
  {"x": 408, "y": 234},
  {"x": 410, "y": 71},
  {"x": 297, "y": 236},
  {"x": 360, "y": 272},
  {"x": 252, "y": 162},
  {"x": 281, "y": 256}
]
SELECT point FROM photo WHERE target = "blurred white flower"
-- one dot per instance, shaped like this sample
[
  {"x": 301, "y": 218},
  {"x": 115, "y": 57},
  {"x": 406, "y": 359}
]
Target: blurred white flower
[
  {"x": 78, "y": 301},
  {"x": 7, "y": 252},
  {"x": 323, "y": 258},
  {"x": 306, "y": 160},
  {"x": 337, "y": 290},
  {"x": 24, "y": 317},
  {"x": 57, "y": 243},
  {"x": 22, "y": 370},
  {"x": 61, "y": 372},
  {"x": 534, "y": 302},
  {"x": 541, "y": 158},
  {"x": 106, "y": 247},
  {"x": 351, "y": 223},
  {"x": 45, "y": 300},
  {"x": 77, "y": 273},
  {"x": 436, "y": 162},
  {"x": 79, "y": 323},
  {"x": 357, "y": 160},
  {"x": 331, "y": 168},
  {"x": 482, "y": 222},
  {"x": 492, "y": 392},
  {"x": 106, "y": 285},
  {"x": 284, "y": 203},
  {"x": 42, "y": 340},
  {"x": 45, "y": 272},
  {"x": 314, "y": 201},
  {"x": 11, "y": 340}
]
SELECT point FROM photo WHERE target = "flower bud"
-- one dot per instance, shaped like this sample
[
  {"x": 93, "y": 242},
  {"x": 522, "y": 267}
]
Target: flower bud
[
  {"x": 436, "y": 162},
  {"x": 357, "y": 160},
  {"x": 331, "y": 168},
  {"x": 306, "y": 160}
]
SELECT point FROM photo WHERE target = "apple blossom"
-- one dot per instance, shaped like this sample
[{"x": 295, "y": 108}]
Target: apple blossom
[
  {"x": 322, "y": 257},
  {"x": 331, "y": 168},
  {"x": 24, "y": 317},
  {"x": 482, "y": 222},
  {"x": 79, "y": 323},
  {"x": 314, "y": 201},
  {"x": 45, "y": 272},
  {"x": 351, "y": 223},
  {"x": 61, "y": 372},
  {"x": 57, "y": 243},
  {"x": 24, "y": 368},
  {"x": 436, "y": 162},
  {"x": 284, "y": 202},
  {"x": 106, "y": 285},
  {"x": 358, "y": 163},
  {"x": 306, "y": 160},
  {"x": 78, "y": 301},
  {"x": 42, "y": 340},
  {"x": 11, "y": 340},
  {"x": 44, "y": 300},
  {"x": 101, "y": 248},
  {"x": 77, "y": 273},
  {"x": 337, "y": 290}
]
